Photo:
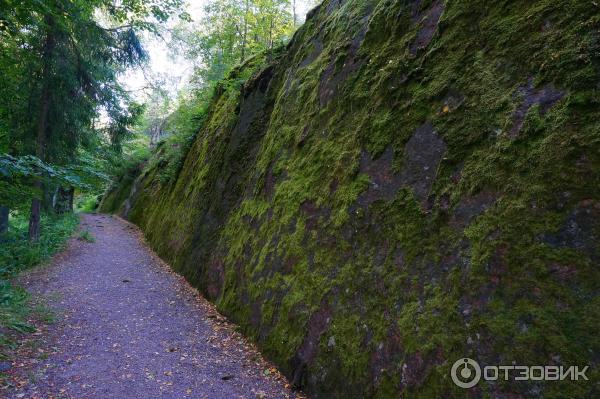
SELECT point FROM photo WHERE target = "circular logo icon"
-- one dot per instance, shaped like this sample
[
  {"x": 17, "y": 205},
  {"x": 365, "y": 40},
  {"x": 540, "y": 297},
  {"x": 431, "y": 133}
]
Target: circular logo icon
[{"x": 465, "y": 373}]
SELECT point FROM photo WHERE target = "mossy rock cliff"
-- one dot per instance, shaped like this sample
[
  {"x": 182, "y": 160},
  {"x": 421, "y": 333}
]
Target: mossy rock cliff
[{"x": 405, "y": 184}]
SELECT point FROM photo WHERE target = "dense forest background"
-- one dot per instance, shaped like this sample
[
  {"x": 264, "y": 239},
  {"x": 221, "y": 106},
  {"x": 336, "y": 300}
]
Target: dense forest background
[{"x": 70, "y": 122}]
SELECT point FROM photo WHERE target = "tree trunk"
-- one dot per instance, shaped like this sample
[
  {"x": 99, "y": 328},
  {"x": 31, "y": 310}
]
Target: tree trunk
[
  {"x": 42, "y": 128},
  {"x": 3, "y": 220},
  {"x": 245, "y": 35},
  {"x": 63, "y": 202},
  {"x": 271, "y": 27},
  {"x": 71, "y": 198},
  {"x": 36, "y": 203},
  {"x": 34, "y": 219},
  {"x": 294, "y": 12},
  {"x": 48, "y": 197}
]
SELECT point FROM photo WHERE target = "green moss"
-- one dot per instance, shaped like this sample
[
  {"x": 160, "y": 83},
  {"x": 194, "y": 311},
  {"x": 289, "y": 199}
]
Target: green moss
[
  {"x": 119, "y": 192},
  {"x": 266, "y": 214}
]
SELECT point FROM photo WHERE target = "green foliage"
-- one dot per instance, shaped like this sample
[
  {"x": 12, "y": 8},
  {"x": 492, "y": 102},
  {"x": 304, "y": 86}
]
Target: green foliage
[
  {"x": 14, "y": 310},
  {"x": 17, "y": 254},
  {"x": 17, "y": 173},
  {"x": 62, "y": 58},
  {"x": 87, "y": 236},
  {"x": 87, "y": 203},
  {"x": 60, "y": 97},
  {"x": 232, "y": 31},
  {"x": 171, "y": 133}
]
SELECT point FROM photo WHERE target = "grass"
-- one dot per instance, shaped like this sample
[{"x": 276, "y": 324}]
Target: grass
[
  {"x": 87, "y": 236},
  {"x": 18, "y": 254},
  {"x": 87, "y": 203}
]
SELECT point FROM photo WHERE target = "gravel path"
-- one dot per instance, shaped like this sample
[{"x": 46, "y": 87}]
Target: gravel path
[{"x": 127, "y": 327}]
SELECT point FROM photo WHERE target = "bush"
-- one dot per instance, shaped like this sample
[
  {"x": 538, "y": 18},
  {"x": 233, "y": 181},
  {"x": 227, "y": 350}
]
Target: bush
[
  {"x": 87, "y": 202},
  {"x": 17, "y": 254}
]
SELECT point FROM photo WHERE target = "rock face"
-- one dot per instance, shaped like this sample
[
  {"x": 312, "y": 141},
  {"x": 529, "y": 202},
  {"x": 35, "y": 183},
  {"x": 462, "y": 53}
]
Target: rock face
[{"x": 405, "y": 184}]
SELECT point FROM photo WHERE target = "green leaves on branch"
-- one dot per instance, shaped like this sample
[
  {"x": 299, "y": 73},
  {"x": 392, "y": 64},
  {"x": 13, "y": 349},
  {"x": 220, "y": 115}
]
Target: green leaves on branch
[
  {"x": 17, "y": 173},
  {"x": 232, "y": 31},
  {"x": 29, "y": 166}
]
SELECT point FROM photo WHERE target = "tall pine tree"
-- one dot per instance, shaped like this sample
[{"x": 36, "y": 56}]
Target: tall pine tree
[{"x": 69, "y": 54}]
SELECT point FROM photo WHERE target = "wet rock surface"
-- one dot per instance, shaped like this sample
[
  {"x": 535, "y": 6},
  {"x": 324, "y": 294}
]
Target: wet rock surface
[
  {"x": 546, "y": 97},
  {"x": 470, "y": 207},
  {"x": 306, "y": 353},
  {"x": 428, "y": 20},
  {"x": 422, "y": 156},
  {"x": 580, "y": 231},
  {"x": 384, "y": 183}
]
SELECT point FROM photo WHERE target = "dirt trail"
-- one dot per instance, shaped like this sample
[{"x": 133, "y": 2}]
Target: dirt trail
[{"x": 127, "y": 327}]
